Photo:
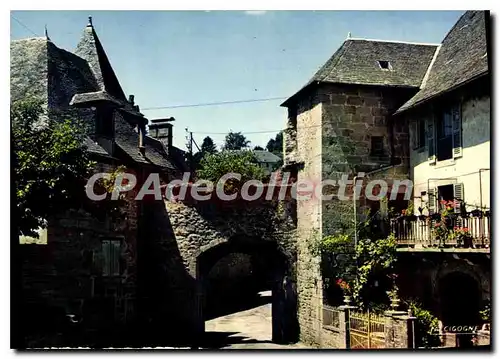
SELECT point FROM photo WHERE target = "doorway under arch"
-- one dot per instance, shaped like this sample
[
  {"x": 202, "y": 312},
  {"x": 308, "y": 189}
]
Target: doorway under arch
[
  {"x": 460, "y": 303},
  {"x": 231, "y": 274}
]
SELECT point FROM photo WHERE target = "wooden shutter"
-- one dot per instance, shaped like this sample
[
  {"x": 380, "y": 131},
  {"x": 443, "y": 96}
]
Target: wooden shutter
[
  {"x": 458, "y": 195},
  {"x": 431, "y": 139},
  {"x": 432, "y": 199},
  {"x": 457, "y": 130},
  {"x": 106, "y": 258},
  {"x": 413, "y": 134},
  {"x": 111, "y": 254}
]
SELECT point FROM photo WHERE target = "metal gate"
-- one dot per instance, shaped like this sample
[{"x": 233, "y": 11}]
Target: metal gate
[{"x": 366, "y": 330}]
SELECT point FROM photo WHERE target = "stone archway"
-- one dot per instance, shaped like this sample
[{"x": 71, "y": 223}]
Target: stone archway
[{"x": 269, "y": 267}]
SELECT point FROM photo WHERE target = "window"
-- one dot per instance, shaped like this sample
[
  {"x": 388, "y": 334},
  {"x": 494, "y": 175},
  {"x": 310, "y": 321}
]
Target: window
[
  {"x": 418, "y": 135},
  {"x": 377, "y": 146},
  {"x": 384, "y": 65},
  {"x": 445, "y": 193},
  {"x": 451, "y": 192},
  {"x": 111, "y": 250},
  {"x": 105, "y": 122},
  {"x": 444, "y": 134}
]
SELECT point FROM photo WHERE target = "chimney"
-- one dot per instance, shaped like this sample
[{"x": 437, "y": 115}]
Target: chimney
[
  {"x": 161, "y": 129},
  {"x": 131, "y": 99}
]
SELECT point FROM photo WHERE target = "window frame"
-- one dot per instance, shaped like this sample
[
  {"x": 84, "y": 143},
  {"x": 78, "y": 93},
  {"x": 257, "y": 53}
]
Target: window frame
[{"x": 419, "y": 135}]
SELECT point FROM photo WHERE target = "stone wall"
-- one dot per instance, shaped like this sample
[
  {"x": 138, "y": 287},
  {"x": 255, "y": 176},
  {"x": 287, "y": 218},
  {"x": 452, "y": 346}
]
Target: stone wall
[
  {"x": 309, "y": 287},
  {"x": 65, "y": 276},
  {"x": 178, "y": 234},
  {"x": 329, "y": 134}
]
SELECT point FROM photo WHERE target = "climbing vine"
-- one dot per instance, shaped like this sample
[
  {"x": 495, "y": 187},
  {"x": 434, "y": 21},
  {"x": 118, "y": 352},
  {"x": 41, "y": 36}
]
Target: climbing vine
[{"x": 358, "y": 265}]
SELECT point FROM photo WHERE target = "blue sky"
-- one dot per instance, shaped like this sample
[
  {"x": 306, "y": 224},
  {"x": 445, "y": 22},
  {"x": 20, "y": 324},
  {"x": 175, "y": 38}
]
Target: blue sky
[{"x": 169, "y": 58}]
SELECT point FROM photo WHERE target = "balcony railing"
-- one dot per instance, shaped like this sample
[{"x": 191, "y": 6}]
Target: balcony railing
[{"x": 417, "y": 231}]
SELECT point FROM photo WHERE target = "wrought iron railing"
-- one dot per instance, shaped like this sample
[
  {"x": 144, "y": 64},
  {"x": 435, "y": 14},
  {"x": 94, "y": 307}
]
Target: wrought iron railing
[{"x": 419, "y": 231}]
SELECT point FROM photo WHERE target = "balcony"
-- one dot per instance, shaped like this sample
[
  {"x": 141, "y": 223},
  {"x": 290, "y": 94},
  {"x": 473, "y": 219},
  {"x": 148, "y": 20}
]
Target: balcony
[{"x": 421, "y": 233}]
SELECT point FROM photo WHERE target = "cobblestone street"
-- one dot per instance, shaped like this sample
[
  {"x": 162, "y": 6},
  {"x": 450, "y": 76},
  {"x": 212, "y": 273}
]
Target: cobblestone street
[{"x": 249, "y": 329}]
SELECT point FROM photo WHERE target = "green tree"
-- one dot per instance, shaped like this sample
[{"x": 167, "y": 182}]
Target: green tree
[
  {"x": 275, "y": 145},
  {"x": 208, "y": 145},
  {"x": 235, "y": 141},
  {"x": 258, "y": 148},
  {"x": 50, "y": 164},
  {"x": 214, "y": 166}
]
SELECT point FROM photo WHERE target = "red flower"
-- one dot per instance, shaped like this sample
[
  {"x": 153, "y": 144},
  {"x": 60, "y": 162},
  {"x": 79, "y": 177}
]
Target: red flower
[{"x": 342, "y": 284}]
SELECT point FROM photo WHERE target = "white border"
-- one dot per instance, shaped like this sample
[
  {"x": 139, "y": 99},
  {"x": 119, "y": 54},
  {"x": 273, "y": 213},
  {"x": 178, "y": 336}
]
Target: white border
[{"x": 191, "y": 5}]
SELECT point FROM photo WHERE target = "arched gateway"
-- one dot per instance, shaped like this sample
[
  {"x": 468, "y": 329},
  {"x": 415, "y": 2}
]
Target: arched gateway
[{"x": 229, "y": 274}]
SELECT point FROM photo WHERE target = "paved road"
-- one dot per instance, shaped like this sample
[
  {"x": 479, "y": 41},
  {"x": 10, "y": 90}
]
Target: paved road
[{"x": 249, "y": 329}]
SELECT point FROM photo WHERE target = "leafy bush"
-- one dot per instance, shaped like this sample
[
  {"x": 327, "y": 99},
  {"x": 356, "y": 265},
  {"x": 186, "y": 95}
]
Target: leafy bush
[
  {"x": 486, "y": 312},
  {"x": 426, "y": 326},
  {"x": 214, "y": 166}
]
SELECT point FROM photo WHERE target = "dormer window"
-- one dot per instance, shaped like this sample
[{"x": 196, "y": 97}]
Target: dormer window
[
  {"x": 385, "y": 65},
  {"x": 105, "y": 122}
]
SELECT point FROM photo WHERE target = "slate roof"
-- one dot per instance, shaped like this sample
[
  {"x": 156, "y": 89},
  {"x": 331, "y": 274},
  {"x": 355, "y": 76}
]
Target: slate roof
[
  {"x": 91, "y": 50},
  {"x": 62, "y": 79},
  {"x": 266, "y": 156},
  {"x": 89, "y": 97},
  {"x": 127, "y": 139},
  {"x": 94, "y": 147},
  {"x": 356, "y": 62},
  {"x": 461, "y": 58}
]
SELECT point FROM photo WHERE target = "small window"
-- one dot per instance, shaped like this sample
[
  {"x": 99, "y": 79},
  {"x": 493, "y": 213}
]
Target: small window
[
  {"x": 111, "y": 250},
  {"x": 419, "y": 134},
  {"x": 377, "y": 146},
  {"x": 385, "y": 65}
]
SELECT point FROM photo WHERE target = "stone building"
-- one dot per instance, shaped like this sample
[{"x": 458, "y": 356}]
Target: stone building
[
  {"x": 352, "y": 117},
  {"x": 149, "y": 277},
  {"x": 82, "y": 266}
]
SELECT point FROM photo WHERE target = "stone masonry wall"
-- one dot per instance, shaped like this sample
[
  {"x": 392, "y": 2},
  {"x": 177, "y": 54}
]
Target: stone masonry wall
[
  {"x": 64, "y": 276},
  {"x": 351, "y": 115},
  {"x": 179, "y": 233},
  {"x": 309, "y": 287},
  {"x": 329, "y": 133}
]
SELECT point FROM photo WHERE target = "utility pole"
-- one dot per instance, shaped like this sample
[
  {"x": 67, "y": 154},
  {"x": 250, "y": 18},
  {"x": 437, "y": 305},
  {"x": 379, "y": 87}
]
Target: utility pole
[{"x": 189, "y": 145}]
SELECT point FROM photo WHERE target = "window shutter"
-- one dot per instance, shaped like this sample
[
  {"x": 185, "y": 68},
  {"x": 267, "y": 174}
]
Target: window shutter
[
  {"x": 432, "y": 199},
  {"x": 431, "y": 141},
  {"x": 414, "y": 134},
  {"x": 115, "y": 270},
  {"x": 111, "y": 254},
  {"x": 458, "y": 195},
  {"x": 457, "y": 131},
  {"x": 106, "y": 257}
]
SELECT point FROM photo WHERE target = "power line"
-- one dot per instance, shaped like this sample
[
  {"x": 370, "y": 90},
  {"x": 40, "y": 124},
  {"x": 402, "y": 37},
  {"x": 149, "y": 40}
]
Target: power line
[
  {"x": 243, "y": 133},
  {"x": 253, "y": 132},
  {"x": 26, "y": 27},
  {"x": 215, "y": 103}
]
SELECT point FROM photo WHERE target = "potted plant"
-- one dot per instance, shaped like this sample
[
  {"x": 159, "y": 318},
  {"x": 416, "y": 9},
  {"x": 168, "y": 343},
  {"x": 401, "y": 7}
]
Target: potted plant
[
  {"x": 409, "y": 212},
  {"x": 462, "y": 236},
  {"x": 440, "y": 232},
  {"x": 346, "y": 289},
  {"x": 393, "y": 293},
  {"x": 393, "y": 296}
]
